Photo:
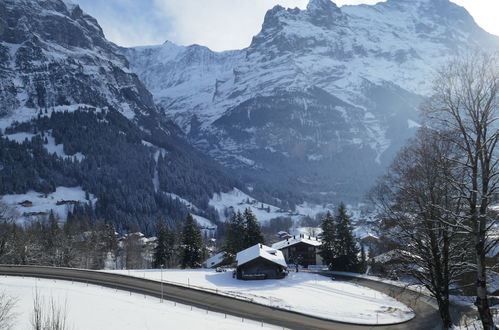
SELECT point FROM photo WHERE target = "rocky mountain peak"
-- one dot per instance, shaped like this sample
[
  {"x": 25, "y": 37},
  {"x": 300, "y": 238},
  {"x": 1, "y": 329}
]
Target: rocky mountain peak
[
  {"x": 321, "y": 5},
  {"x": 55, "y": 55},
  {"x": 325, "y": 13}
]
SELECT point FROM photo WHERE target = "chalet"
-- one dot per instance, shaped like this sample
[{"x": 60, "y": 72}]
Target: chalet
[
  {"x": 66, "y": 202},
  {"x": 26, "y": 203},
  {"x": 283, "y": 235},
  {"x": 216, "y": 260},
  {"x": 302, "y": 250},
  {"x": 260, "y": 262}
]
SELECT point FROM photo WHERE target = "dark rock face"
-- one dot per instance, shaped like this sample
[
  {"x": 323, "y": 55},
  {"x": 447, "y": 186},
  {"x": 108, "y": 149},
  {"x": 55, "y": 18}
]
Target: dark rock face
[
  {"x": 62, "y": 81},
  {"x": 55, "y": 55}
]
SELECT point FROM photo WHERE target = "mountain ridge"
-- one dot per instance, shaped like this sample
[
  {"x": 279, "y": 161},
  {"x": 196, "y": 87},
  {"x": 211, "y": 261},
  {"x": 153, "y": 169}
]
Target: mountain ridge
[
  {"x": 375, "y": 59},
  {"x": 75, "y": 116}
]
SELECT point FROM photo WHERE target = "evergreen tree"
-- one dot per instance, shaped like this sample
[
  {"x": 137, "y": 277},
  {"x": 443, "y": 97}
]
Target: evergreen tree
[
  {"x": 192, "y": 244},
  {"x": 347, "y": 251},
  {"x": 253, "y": 231},
  {"x": 164, "y": 248},
  {"x": 235, "y": 233},
  {"x": 329, "y": 240}
]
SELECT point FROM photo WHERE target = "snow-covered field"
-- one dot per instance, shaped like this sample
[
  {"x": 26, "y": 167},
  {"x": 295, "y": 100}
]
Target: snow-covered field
[
  {"x": 301, "y": 292},
  {"x": 236, "y": 200},
  {"x": 93, "y": 307},
  {"x": 45, "y": 203}
]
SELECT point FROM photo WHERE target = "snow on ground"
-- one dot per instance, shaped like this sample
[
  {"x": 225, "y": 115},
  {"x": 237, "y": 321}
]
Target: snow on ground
[
  {"x": 94, "y": 307},
  {"x": 473, "y": 323},
  {"x": 236, "y": 200},
  {"x": 301, "y": 292},
  {"x": 58, "y": 149},
  {"x": 51, "y": 146},
  {"x": 43, "y": 204},
  {"x": 20, "y": 137},
  {"x": 239, "y": 201},
  {"x": 25, "y": 114},
  {"x": 204, "y": 223}
]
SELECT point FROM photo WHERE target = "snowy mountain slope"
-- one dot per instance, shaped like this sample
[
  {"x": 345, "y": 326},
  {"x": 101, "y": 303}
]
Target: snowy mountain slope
[
  {"x": 72, "y": 114},
  {"x": 53, "y": 54},
  {"x": 322, "y": 98}
]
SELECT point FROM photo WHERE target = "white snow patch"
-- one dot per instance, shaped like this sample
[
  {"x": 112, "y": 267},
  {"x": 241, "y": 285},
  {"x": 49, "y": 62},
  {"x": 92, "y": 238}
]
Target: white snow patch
[
  {"x": 413, "y": 124},
  {"x": 44, "y": 204},
  {"x": 20, "y": 137},
  {"x": 204, "y": 223},
  {"x": 58, "y": 149},
  {"x": 236, "y": 200},
  {"x": 114, "y": 310},
  {"x": 302, "y": 292}
]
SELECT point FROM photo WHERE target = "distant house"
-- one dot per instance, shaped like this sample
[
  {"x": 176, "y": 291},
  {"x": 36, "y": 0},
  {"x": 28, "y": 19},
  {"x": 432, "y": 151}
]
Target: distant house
[
  {"x": 26, "y": 203},
  {"x": 215, "y": 260},
  {"x": 66, "y": 202},
  {"x": 283, "y": 235},
  {"x": 302, "y": 250},
  {"x": 260, "y": 262}
]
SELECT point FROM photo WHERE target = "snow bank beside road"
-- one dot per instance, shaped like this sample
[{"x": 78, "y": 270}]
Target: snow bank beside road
[
  {"x": 93, "y": 307},
  {"x": 300, "y": 292}
]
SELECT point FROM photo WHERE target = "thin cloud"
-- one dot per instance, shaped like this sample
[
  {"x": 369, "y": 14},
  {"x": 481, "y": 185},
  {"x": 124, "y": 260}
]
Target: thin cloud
[{"x": 218, "y": 24}]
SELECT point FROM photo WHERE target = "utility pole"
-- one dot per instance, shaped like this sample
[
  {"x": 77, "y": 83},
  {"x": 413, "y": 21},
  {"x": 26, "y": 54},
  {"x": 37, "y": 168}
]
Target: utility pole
[{"x": 161, "y": 283}]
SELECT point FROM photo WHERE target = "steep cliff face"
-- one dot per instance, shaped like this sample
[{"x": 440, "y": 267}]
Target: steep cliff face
[
  {"x": 321, "y": 99},
  {"x": 54, "y": 55}
]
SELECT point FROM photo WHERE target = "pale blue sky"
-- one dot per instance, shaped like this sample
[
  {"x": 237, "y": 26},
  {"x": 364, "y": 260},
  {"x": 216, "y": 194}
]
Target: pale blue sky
[{"x": 218, "y": 24}]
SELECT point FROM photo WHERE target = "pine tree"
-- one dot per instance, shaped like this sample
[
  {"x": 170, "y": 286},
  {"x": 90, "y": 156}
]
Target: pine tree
[
  {"x": 347, "y": 251},
  {"x": 164, "y": 245},
  {"x": 235, "y": 233},
  {"x": 192, "y": 244},
  {"x": 253, "y": 231},
  {"x": 328, "y": 248}
]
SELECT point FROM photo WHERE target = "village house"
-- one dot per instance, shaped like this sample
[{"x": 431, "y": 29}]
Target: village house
[
  {"x": 26, "y": 203},
  {"x": 260, "y": 262},
  {"x": 216, "y": 260},
  {"x": 302, "y": 250}
]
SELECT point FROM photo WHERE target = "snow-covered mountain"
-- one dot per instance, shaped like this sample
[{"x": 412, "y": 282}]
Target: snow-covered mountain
[
  {"x": 321, "y": 99},
  {"x": 81, "y": 135},
  {"x": 53, "y": 55}
]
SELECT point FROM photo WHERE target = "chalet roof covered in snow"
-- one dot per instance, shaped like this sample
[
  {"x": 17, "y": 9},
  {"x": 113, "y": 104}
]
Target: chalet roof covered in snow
[
  {"x": 295, "y": 240},
  {"x": 260, "y": 251},
  {"x": 215, "y": 260}
]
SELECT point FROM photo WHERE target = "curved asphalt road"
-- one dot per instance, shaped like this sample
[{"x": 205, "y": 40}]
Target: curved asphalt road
[{"x": 426, "y": 315}]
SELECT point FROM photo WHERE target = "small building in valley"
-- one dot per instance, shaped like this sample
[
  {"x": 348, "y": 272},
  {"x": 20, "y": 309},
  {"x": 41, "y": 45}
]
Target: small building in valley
[
  {"x": 216, "y": 260},
  {"x": 26, "y": 203},
  {"x": 302, "y": 250},
  {"x": 260, "y": 262}
]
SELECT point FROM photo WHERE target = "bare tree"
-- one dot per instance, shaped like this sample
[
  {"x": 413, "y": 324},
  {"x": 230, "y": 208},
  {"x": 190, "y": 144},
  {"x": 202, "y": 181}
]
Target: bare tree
[
  {"x": 7, "y": 315},
  {"x": 7, "y": 218},
  {"x": 466, "y": 102},
  {"x": 48, "y": 316},
  {"x": 418, "y": 203}
]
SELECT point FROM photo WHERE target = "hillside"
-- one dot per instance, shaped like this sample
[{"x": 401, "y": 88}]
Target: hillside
[{"x": 75, "y": 117}]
